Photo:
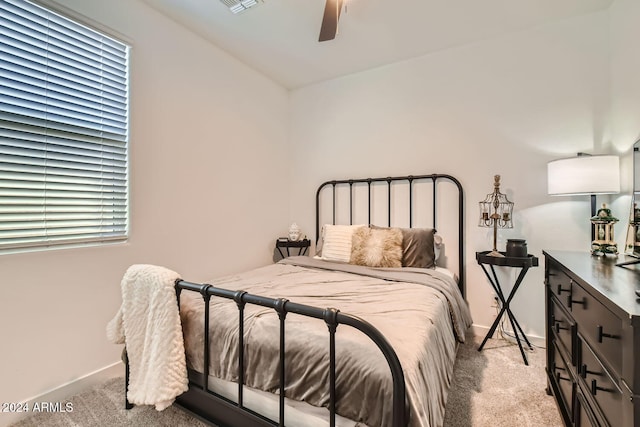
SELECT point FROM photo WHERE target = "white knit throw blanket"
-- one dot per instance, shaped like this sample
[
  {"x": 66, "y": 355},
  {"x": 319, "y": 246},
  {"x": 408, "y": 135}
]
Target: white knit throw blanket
[{"x": 148, "y": 323}]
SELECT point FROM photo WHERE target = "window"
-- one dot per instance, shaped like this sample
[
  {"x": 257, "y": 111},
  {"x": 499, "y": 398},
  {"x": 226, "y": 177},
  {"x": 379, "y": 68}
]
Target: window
[{"x": 63, "y": 131}]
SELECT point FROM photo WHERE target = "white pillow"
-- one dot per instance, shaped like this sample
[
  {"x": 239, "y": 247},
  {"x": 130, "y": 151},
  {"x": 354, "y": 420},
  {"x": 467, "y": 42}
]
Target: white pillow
[{"x": 336, "y": 245}]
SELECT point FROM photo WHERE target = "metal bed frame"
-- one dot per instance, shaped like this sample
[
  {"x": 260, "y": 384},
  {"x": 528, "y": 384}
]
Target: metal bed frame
[{"x": 210, "y": 406}]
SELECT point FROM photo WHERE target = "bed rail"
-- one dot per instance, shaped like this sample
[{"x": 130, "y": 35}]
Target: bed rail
[{"x": 332, "y": 319}]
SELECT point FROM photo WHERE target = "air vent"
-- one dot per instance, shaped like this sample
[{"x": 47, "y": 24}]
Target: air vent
[{"x": 237, "y": 6}]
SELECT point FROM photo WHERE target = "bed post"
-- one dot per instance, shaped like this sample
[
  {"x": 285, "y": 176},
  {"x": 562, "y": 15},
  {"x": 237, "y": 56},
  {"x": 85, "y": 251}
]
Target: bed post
[{"x": 330, "y": 317}]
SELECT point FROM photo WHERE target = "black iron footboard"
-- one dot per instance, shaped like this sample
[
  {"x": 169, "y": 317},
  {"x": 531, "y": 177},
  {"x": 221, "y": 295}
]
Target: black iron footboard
[{"x": 218, "y": 409}]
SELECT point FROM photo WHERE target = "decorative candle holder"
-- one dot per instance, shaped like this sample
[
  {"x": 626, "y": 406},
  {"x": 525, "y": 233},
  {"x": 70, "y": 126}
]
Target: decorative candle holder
[{"x": 496, "y": 211}]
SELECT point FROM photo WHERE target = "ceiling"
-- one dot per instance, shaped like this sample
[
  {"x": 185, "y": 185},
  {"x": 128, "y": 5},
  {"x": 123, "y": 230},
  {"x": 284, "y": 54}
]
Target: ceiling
[{"x": 279, "y": 38}]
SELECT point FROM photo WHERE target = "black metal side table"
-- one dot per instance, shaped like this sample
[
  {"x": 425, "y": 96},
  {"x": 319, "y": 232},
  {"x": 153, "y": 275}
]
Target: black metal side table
[
  {"x": 302, "y": 245},
  {"x": 524, "y": 263}
]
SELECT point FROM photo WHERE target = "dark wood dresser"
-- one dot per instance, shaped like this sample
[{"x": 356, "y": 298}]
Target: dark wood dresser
[{"x": 593, "y": 339}]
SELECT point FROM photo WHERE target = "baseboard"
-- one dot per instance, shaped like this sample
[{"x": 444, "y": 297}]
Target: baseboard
[
  {"x": 481, "y": 331},
  {"x": 63, "y": 392}
]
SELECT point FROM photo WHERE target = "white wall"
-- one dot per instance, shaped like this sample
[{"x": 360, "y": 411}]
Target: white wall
[
  {"x": 625, "y": 87},
  {"x": 206, "y": 132},
  {"x": 503, "y": 106}
]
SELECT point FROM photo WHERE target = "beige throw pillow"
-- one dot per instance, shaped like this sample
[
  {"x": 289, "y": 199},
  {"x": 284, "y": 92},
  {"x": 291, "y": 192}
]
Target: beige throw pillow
[
  {"x": 418, "y": 246},
  {"x": 376, "y": 247},
  {"x": 336, "y": 244}
]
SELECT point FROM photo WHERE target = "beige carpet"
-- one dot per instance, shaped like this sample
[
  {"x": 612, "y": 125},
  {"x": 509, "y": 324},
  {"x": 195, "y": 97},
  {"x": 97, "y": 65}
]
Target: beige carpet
[
  {"x": 495, "y": 388},
  {"x": 490, "y": 388}
]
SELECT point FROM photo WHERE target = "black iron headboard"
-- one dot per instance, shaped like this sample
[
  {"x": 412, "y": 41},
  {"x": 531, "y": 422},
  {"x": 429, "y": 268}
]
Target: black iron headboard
[{"x": 413, "y": 184}]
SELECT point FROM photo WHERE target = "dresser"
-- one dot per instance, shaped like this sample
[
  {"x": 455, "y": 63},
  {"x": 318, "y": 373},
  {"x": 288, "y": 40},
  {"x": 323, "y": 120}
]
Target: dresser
[{"x": 593, "y": 339}]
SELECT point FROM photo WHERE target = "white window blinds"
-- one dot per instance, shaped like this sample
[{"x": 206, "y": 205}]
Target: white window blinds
[{"x": 63, "y": 130}]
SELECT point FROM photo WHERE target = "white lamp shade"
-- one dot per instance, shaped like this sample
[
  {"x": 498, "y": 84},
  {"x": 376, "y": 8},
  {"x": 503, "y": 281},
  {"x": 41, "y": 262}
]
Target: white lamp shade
[{"x": 584, "y": 175}]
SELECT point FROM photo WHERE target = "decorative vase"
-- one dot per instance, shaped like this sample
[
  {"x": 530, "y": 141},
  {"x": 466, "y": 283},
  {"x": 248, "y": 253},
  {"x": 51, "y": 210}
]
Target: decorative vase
[
  {"x": 517, "y": 248},
  {"x": 294, "y": 232}
]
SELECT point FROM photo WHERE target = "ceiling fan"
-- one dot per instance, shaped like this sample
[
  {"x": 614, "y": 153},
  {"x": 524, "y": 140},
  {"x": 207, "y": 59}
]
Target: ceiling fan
[{"x": 329, "y": 27}]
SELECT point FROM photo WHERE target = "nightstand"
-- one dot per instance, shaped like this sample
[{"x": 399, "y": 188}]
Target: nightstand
[
  {"x": 301, "y": 245},
  {"x": 524, "y": 263}
]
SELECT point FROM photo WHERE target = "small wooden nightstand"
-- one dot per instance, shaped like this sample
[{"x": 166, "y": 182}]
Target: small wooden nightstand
[{"x": 302, "y": 245}]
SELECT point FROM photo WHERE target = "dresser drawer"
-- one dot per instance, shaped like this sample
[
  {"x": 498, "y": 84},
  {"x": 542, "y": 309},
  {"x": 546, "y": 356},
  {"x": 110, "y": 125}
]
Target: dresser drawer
[
  {"x": 563, "y": 379},
  {"x": 584, "y": 416},
  {"x": 564, "y": 329},
  {"x": 598, "y": 298},
  {"x": 601, "y": 385},
  {"x": 559, "y": 284},
  {"x": 600, "y": 327}
]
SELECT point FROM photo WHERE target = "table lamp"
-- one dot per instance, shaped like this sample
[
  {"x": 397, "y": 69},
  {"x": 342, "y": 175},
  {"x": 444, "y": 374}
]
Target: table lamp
[
  {"x": 584, "y": 175},
  {"x": 496, "y": 211}
]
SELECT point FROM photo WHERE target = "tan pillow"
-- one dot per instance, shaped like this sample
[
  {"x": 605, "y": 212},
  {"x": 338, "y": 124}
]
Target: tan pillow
[
  {"x": 376, "y": 247},
  {"x": 418, "y": 247}
]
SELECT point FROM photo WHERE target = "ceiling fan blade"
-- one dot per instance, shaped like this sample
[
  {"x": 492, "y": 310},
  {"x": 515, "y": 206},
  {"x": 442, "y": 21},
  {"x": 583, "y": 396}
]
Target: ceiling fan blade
[{"x": 329, "y": 28}]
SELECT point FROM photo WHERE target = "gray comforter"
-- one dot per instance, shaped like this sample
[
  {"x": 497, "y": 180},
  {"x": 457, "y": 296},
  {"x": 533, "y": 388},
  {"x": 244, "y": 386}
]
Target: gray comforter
[{"x": 419, "y": 311}]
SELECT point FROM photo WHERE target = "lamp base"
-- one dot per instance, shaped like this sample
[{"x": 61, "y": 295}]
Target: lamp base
[{"x": 496, "y": 254}]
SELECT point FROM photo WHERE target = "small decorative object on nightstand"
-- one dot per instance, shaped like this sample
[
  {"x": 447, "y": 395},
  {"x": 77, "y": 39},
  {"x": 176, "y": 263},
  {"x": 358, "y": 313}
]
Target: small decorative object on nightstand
[
  {"x": 604, "y": 242},
  {"x": 524, "y": 262},
  {"x": 301, "y": 245},
  {"x": 294, "y": 232},
  {"x": 516, "y": 248},
  {"x": 496, "y": 211}
]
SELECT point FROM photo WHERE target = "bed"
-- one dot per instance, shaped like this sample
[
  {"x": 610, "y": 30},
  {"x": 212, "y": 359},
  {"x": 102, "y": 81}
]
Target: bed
[{"x": 363, "y": 334}]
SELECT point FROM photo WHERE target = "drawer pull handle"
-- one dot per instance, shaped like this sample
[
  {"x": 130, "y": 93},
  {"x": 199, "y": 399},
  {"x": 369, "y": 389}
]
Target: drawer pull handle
[
  {"x": 595, "y": 388},
  {"x": 560, "y": 290},
  {"x": 571, "y": 301},
  {"x": 602, "y": 335},
  {"x": 560, "y": 378},
  {"x": 558, "y": 327},
  {"x": 584, "y": 372}
]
